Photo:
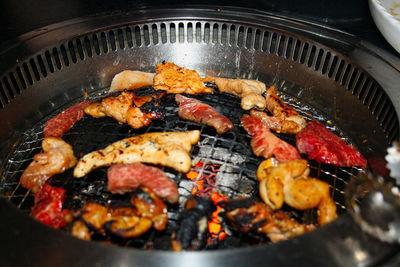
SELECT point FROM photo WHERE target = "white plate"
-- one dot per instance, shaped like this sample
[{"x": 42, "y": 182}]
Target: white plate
[{"x": 386, "y": 14}]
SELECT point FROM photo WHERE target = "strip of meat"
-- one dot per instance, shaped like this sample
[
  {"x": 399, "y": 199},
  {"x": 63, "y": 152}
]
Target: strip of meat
[
  {"x": 123, "y": 178},
  {"x": 322, "y": 145},
  {"x": 194, "y": 110},
  {"x": 47, "y": 209},
  {"x": 123, "y": 108},
  {"x": 169, "y": 149},
  {"x": 177, "y": 80},
  {"x": 64, "y": 121},
  {"x": 250, "y": 216},
  {"x": 57, "y": 156},
  {"x": 284, "y": 119},
  {"x": 250, "y": 91},
  {"x": 266, "y": 144},
  {"x": 131, "y": 79}
]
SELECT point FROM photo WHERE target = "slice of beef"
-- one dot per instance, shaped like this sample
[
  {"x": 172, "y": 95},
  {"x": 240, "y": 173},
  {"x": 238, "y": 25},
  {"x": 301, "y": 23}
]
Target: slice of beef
[
  {"x": 127, "y": 177},
  {"x": 322, "y": 145},
  {"x": 194, "y": 110}
]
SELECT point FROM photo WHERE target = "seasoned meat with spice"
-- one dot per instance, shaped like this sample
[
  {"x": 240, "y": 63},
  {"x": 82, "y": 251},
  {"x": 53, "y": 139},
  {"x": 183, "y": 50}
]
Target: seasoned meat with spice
[
  {"x": 322, "y": 145},
  {"x": 250, "y": 91},
  {"x": 64, "y": 121},
  {"x": 127, "y": 177},
  {"x": 57, "y": 156},
  {"x": 169, "y": 149},
  {"x": 177, "y": 80},
  {"x": 131, "y": 79},
  {"x": 284, "y": 119},
  {"x": 195, "y": 110},
  {"x": 266, "y": 144}
]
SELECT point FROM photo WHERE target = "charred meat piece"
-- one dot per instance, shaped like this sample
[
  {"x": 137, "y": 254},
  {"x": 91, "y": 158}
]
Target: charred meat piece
[
  {"x": 322, "y": 145},
  {"x": 177, "y": 80},
  {"x": 194, "y": 110},
  {"x": 131, "y": 79},
  {"x": 47, "y": 209},
  {"x": 289, "y": 182},
  {"x": 250, "y": 216},
  {"x": 94, "y": 215},
  {"x": 266, "y": 144},
  {"x": 123, "y": 108},
  {"x": 149, "y": 205},
  {"x": 192, "y": 229},
  {"x": 57, "y": 156},
  {"x": 165, "y": 148},
  {"x": 127, "y": 177},
  {"x": 250, "y": 91},
  {"x": 64, "y": 121}
]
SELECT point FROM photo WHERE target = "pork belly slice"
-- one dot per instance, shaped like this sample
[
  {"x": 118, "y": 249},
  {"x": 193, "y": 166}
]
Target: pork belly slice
[
  {"x": 194, "y": 110},
  {"x": 64, "y": 121},
  {"x": 169, "y": 149},
  {"x": 131, "y": 79},
  {"x": 123, "y": 178},
  {"x": 177, "y": 80},
  {"x": 322, "y": 145},
  {"x": 266, "y": 144},
  {"x": 57, "y": 156}
]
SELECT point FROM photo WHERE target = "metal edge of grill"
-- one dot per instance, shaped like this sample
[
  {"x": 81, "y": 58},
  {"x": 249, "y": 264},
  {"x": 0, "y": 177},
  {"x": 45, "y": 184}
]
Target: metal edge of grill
[{"x": 319, "y": 58}]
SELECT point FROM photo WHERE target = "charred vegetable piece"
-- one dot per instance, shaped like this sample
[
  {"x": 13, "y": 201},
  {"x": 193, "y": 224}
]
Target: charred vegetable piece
[{"x": 192, "y": 229}]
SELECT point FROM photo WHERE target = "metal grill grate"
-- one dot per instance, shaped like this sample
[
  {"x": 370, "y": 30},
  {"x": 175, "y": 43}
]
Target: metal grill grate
[{"x": 236, "y": 176}]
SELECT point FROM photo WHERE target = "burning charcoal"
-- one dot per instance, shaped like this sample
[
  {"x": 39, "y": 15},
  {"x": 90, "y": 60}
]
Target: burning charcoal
[{"x": 193, "y": 228}]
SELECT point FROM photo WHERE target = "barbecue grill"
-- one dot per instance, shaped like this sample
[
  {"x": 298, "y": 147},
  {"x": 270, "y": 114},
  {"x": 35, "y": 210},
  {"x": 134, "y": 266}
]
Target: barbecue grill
[{"x": 325, "y": 74}]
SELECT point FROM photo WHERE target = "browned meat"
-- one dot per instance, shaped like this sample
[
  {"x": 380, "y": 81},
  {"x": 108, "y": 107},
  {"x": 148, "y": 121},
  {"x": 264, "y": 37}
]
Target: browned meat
[
  {"x": 194, "y": 110},
  {"x": 64, "y": 121},
  {"x": 57, "y": 156},
  {"x": 127, "y": 177},
  {"x": 131, "y": 79},
  {"x": 80, "y": 230},
  {"x": 176, "y": 80}
]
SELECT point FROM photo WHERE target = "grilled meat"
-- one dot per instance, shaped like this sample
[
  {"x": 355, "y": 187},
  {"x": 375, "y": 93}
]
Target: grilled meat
[
  {"x": 322, "y": 145},
  {"x": 289, "y": 182},
  {"x": 80, "y": 230},
  {"x": 126, "y": 177},
  {"x": 169, "y": 149},
  {"x": 64, "y": 121},
  {"x": 250, "y": 216},
  {"x": 57, "y": 156},
  {"x": 194, "y": 110},
  {"x": 47, "y": 209},
  {"x": 192, "y": 228},
  {"x": 177, "y": 80},
  {"x": 131, "y": 79},
  {"x": 266, "y": 144},
  {"x": 250, "y": 91}
]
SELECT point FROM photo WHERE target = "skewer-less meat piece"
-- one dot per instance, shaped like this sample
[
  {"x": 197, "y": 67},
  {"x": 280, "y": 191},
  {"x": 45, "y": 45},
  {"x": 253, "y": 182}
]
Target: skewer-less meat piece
[
  {"x": 266, "y": 144},
  {"x": 177, "y": 80},
  {"x": 169, "y": 149},
  {"x": 284, "y": 119},
  {"x": 127, "y": 177},
  {"x": 289, "y": 182},
  {"x": 131, "y": 79},
  {"x": 250, "y": 91},
  {"x": 57, "y": 156},
  {"x": 195, "y": 110}
]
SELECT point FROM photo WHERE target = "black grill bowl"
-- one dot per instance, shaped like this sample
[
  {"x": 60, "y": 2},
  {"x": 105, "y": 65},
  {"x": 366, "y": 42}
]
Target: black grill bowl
[{"x": 330, "y": 75}]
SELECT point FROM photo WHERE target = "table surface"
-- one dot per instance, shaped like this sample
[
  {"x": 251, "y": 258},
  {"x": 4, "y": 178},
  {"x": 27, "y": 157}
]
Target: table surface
[{"x": 19, "y": 17}]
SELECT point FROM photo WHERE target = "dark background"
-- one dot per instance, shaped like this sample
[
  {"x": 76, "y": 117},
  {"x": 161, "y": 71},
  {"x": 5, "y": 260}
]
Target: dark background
[{"x": 352, "y": 16}]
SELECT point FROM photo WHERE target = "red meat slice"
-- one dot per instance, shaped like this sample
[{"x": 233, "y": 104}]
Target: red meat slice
[
  {"x": 64, "y": 121},
  {"x": 127, "y": 177},
  {"x": 194, "y": 110},
  {"x": 266, "y": 144},
  {"x": 49, "y": 201},
  {"x": 322, "y": 145}
]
